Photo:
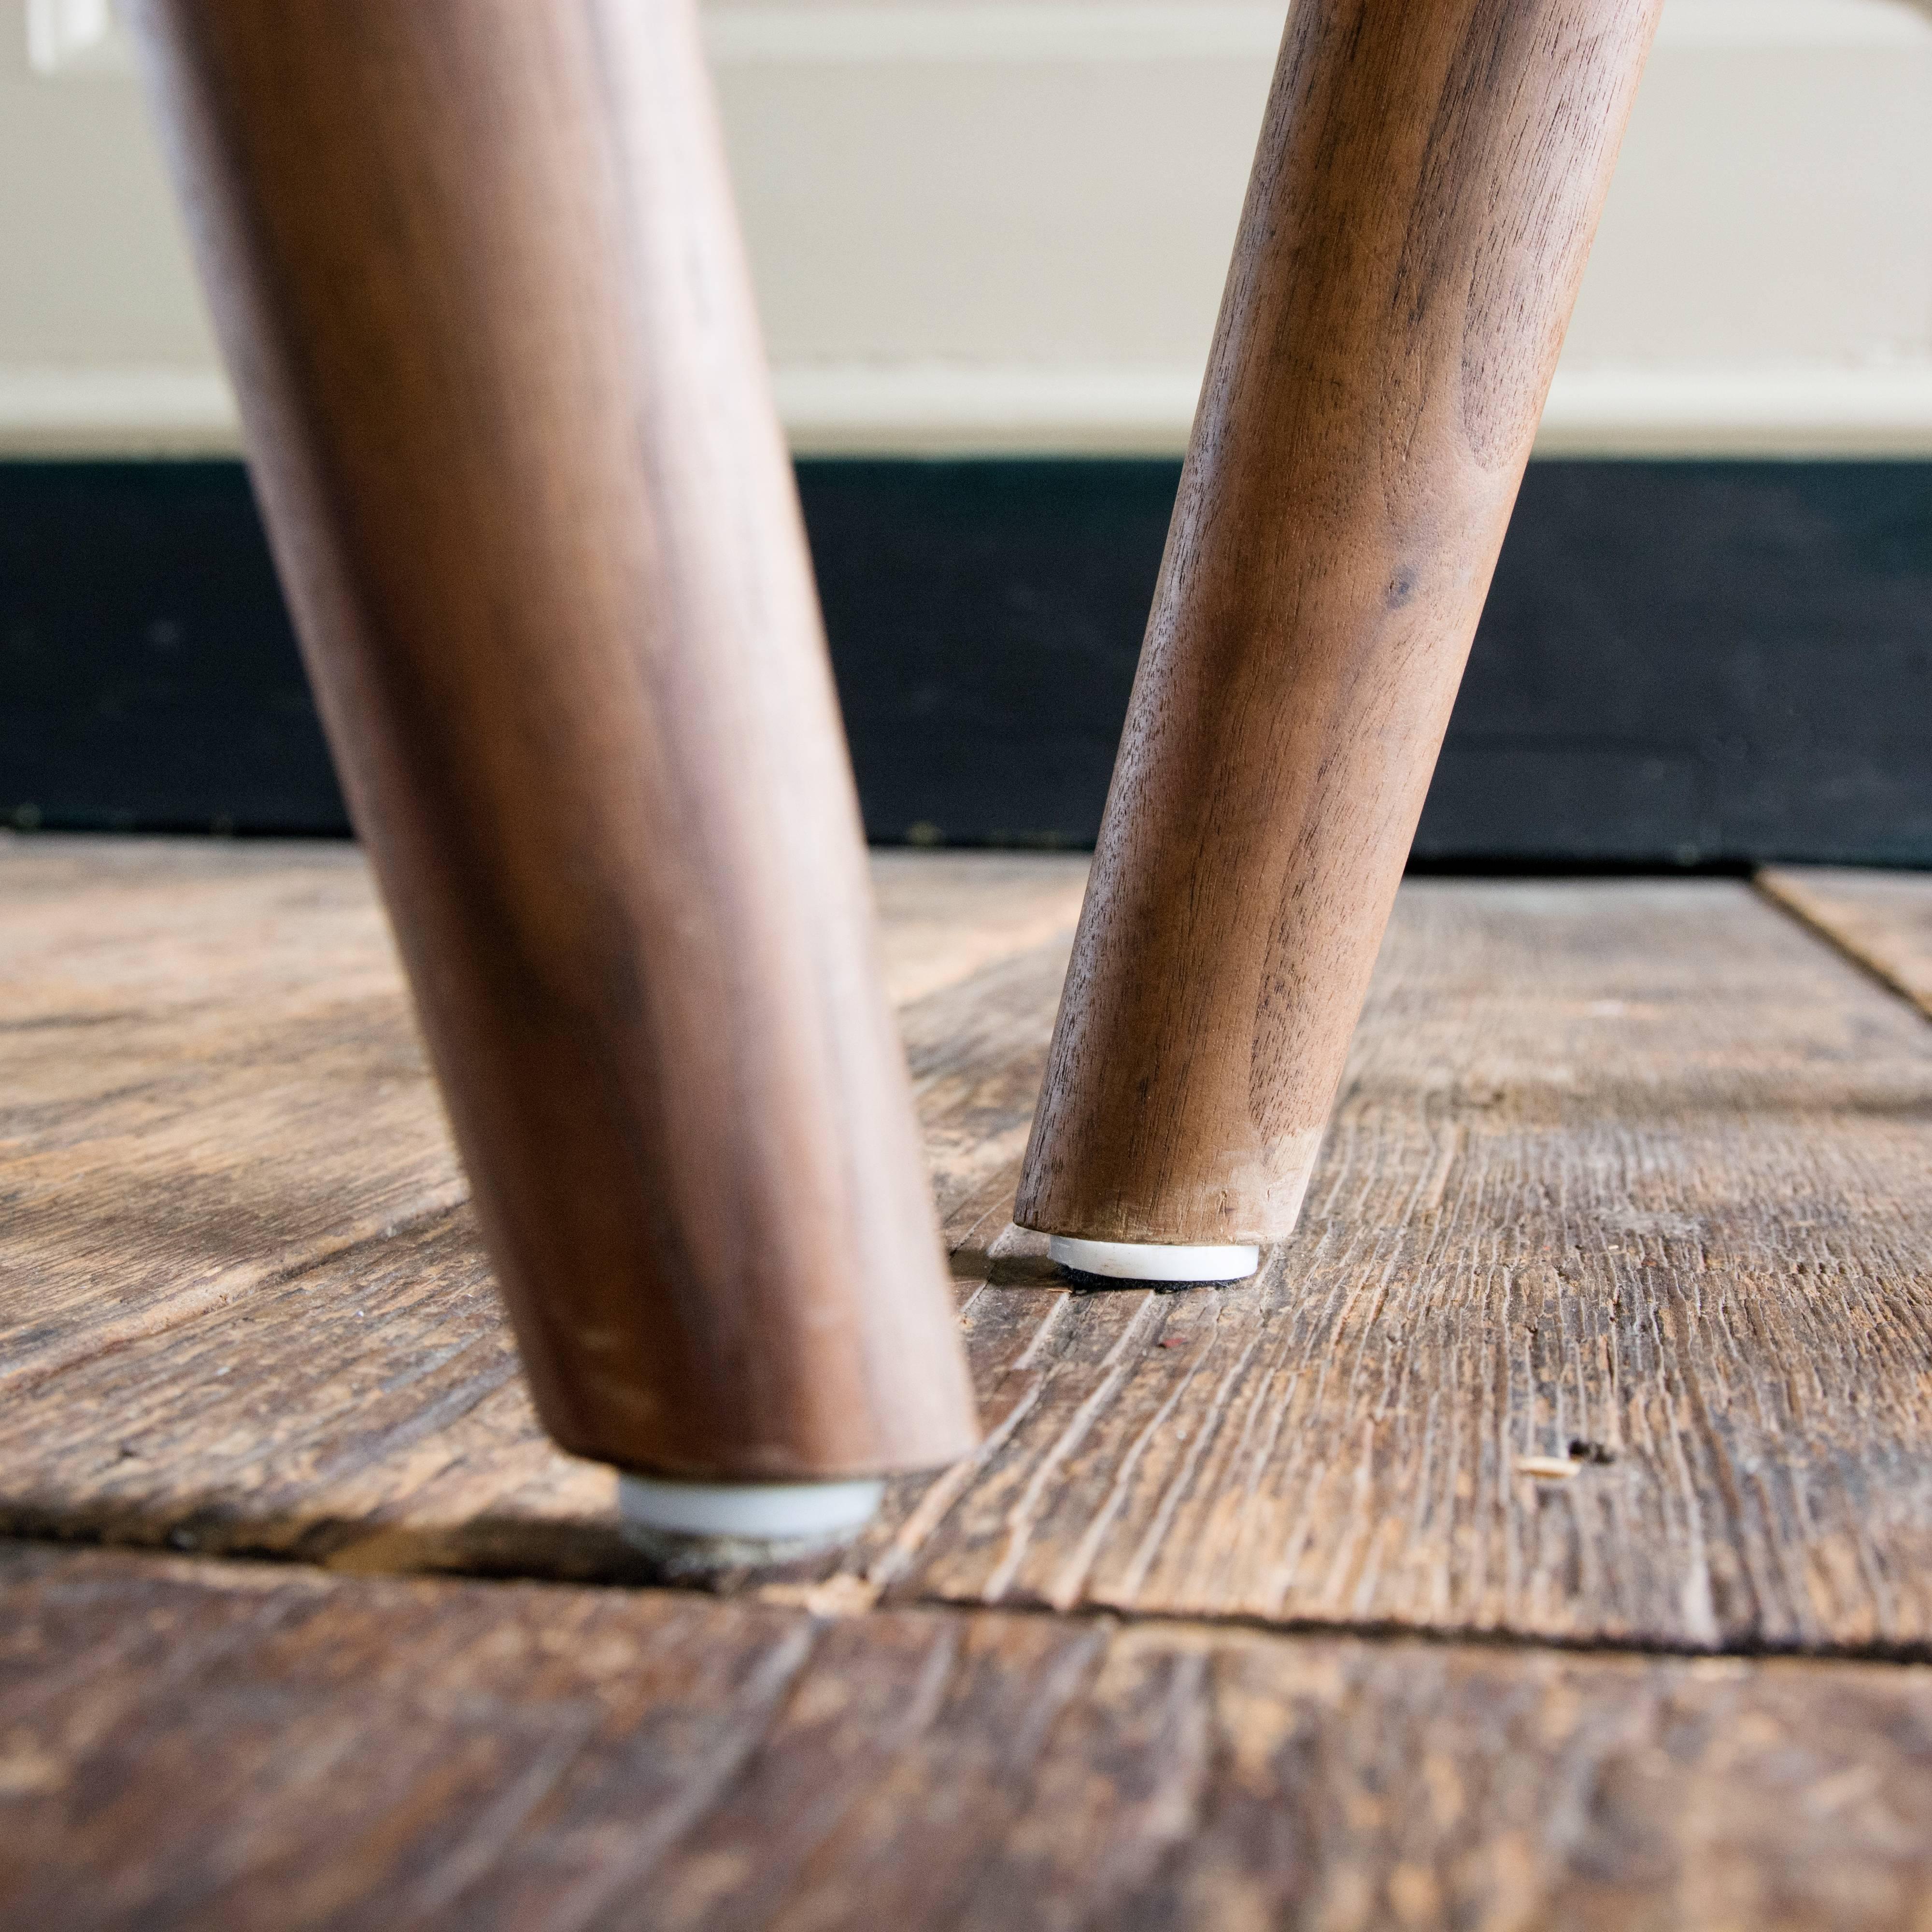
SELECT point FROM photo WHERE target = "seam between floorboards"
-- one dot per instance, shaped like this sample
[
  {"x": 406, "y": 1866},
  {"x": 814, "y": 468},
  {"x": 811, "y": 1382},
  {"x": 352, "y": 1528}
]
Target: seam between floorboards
[
  {"x": 1291, "y": 1630},
  {"x": 1903, "y": 1656},
  {"x": 1808, "y": 923}
]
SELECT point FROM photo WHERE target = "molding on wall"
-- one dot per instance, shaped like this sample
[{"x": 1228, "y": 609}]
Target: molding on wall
[
  {"x": 933, "y": 289},
  {"x": 80, "y": 38},
  {"x": 1794, "y": 23},
  {"x": 1087, "y": 31},
  {"x": 946, "y": 409},
  {"x": 995, "y": 32}
]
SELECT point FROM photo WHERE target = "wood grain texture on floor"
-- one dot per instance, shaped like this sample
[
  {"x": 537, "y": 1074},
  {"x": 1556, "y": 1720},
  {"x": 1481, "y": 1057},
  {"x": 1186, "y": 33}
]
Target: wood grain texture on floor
[
  {"x": 1639, "y": 1167},
  {"x": 246, "y": 1319},
  {"x": 212, "y": 1078},
  {"x": 187, "y": 1745},
  {"x": 1882, "y": 919},
  {"x": 211, "y": 1081},
  {"x": 1635, "y": 1167}
]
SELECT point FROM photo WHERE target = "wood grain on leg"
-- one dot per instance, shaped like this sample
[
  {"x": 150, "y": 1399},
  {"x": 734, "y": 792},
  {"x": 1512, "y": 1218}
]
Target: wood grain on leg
[
  {"x": 476, "y": 270},
  {"x": 1426, "y": 187}
]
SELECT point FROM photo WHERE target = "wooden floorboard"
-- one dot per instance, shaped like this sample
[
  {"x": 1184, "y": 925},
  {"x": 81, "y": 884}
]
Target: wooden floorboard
[
  {"x": 944, "y": 915},
  {"x": 267, "y": 1339},
  {"x": 195, "y": 1744},
  {"x": 1637, "y": 1166},
  {"x": 209, "y": 1078},
  {"x": 366, "y": 1411},
  {"x": 1882, "y": 919}
]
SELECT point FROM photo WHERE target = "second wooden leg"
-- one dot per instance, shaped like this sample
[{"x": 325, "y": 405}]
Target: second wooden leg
[{"x": 1426, "y": 190}]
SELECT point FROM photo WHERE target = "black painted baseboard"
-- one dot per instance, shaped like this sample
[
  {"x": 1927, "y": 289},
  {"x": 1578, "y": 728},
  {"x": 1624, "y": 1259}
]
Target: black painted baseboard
[{"x": 1681, "y": 664}]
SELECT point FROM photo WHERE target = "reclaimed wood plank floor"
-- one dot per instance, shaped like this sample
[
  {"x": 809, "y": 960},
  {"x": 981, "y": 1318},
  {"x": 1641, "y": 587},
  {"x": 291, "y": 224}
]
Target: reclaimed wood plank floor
[
  {"x": 211, "y": 1081},
  {"x": 1882, "y": 919},
  {"x": 1608, "y": 1328},
  {"x": 1637, "y": 1166},
  {"x": 190, "y": 1745}
]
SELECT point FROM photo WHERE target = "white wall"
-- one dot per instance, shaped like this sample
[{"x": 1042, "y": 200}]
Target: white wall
[{"x": 1003, "y": 224}]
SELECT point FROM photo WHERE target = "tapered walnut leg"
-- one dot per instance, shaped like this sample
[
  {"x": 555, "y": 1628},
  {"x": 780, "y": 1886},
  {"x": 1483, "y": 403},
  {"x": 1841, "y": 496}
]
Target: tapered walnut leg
[
  {"x": 476, "y": 272},
  {"x": 1427, "y": 184}
]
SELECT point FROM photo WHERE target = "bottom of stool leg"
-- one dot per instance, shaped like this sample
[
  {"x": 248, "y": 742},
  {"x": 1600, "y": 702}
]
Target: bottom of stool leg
[
  {"x": 694, "y": 1526},
  {"x": 1154, "y": 1261}
]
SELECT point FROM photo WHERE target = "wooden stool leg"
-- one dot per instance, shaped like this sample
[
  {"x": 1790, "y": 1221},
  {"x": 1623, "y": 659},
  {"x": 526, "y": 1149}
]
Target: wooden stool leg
[
  {"x": 1427, "y": 184},
  {"x": 475, "y": 267}
]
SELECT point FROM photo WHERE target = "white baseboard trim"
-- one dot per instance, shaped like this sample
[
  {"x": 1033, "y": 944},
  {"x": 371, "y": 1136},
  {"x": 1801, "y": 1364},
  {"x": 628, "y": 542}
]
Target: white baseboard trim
[
  {"x": 945, "y": 409},
  {"x": 123, "y": 412},
  {"x": 1799, "y": 410},
  {"x": 971, "y": 409}
]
